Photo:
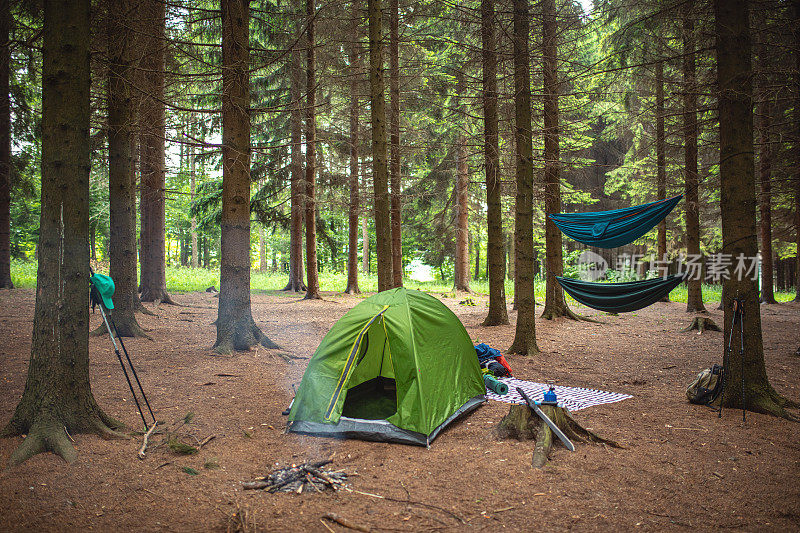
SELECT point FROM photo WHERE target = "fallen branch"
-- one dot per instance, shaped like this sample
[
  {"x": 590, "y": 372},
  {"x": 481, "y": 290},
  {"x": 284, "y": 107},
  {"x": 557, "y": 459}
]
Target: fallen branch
[
  {"x": 288, "y": 356},
  {"x": 147, "y": 436},
  {"x": 409, "y": 502},
  {"x": 345, "y": 522},
  {"x": 205, "y": 441}
]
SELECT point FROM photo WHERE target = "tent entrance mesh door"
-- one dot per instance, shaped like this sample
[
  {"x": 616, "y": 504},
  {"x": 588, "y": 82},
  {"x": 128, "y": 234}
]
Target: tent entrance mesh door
[
  {"x": 375, "y": 399},
  {"x": 371, "y": 392}
]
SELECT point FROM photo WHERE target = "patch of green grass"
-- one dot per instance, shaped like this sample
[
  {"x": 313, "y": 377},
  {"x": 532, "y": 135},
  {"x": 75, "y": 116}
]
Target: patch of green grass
[
  {"x": 186, "y": 279},
  {"x": 23, "y": 274}
]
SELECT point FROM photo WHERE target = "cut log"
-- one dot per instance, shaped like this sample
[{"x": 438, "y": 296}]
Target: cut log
[{"x": 523, "y": 424}]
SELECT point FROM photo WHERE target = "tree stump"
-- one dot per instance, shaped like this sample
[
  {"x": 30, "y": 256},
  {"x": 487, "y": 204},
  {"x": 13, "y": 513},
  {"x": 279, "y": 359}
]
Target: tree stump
[
  {"x": 522, "y": 423},
  {"x": 701, "y": 324}
]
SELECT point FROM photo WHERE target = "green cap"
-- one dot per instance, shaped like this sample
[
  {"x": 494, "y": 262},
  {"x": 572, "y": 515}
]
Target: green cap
[{"x": 105, "y": 288}]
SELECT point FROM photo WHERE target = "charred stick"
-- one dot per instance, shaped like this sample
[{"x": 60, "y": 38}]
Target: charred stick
[{"x": 321, "y": 475}]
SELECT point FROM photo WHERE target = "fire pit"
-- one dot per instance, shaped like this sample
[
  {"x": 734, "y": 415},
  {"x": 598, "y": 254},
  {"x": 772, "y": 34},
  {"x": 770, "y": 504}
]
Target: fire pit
[{"x": 299, "y": 478}]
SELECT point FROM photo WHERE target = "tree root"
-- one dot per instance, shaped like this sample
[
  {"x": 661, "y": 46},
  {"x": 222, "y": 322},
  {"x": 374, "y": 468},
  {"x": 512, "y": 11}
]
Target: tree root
[
  {"x": 293, "y": 287},
  {"x": 701, "y": 324},
  {"x": 768, "y": 402},
  {"x": 244, "y": 335},
  {"x": 491, "y": 320},
  {"x": 556, "y": 312},
  {"x": 44, "y": 437},
  {"x": 107, "y": 433},
  {"x": 138, "y": 307},
  {"x": 769, "y": 406},
  {"x": 522, "y": 347},
  {"x": 161, "y": 296},
  {"x": 109, "y": 421}
]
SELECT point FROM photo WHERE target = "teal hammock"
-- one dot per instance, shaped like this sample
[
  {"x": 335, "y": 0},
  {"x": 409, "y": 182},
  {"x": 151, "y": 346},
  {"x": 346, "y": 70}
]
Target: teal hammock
[
  {"x": 620, "y": 297},
  {"x": 609, "y": 229}
]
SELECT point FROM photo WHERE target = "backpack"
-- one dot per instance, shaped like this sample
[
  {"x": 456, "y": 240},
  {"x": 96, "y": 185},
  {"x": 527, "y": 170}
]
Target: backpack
[{"x": 707, "y": 386}]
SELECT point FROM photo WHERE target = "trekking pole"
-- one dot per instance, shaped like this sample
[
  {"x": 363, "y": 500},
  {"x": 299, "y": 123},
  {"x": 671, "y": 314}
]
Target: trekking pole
[
  {"x": 124, "y": 370},
  {"x": 741, "y": 355},
  {"x": 726, "y": 360},
  {"x": 133, "y": 370}
]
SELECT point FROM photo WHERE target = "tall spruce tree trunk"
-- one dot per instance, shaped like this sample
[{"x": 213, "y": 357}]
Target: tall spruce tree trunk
[
  {"x": 661, "y": 160},
  {"x": 477, "y": 246},
  {"x": 312, "y": 292},
  {"x": 738, "y": 205},
  {"x": 364, "y": 243},
  {"x": 394, "y": 143},
  {"x": 554, "y": 304},
  {"x": 58, "y": 398},
  {"x": 461, "y": 267},
  {"x": 352, "y": 222},
  {"x": 121, "y": 177},
  {"x": 380, "y": 172},
  {"x": 694, "y": 299},
  {"x": 192, "y": 192},
  {"x": 765, "y": 201},
  {"x": 525, "y": 333},
  {"x": 262, "y": 248},
  {"x": 236, "y": 329},
  {"x": 296, "y": 283},
  {"x": 153, "y": 185},
  {"x": 495, "y": 246},
  {"x": 5, "y": 147},
  {"x": 796, "y": 26}
]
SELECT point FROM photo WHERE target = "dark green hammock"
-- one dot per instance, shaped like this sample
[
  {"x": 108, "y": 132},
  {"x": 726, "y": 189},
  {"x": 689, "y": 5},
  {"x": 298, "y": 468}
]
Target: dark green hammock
[
  {"x": 609, "y": 229},
  {"x": 620, "y": 297}
]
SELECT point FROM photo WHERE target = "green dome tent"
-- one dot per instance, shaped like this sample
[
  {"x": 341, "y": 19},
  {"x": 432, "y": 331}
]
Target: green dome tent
[{"x": 397, "y": 367}]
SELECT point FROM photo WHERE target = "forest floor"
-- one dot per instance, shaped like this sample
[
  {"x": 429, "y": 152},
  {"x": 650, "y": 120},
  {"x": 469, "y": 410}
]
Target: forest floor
[{"x": 681, "y": 468}]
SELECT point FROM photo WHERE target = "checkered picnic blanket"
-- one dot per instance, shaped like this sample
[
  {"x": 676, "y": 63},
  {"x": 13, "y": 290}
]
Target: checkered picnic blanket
[{"x": 573, "y": 398}]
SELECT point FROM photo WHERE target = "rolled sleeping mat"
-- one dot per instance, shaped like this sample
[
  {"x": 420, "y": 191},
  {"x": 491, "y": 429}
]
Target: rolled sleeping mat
[{"x": 498, "y": 387}]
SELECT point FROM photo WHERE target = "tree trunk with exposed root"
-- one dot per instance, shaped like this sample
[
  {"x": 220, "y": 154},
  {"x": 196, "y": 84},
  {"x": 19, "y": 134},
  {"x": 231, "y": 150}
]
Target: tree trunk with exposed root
[
  {"x": 153, "y": 281},
  {"x": 747, "y": 385},
  {"x": 352, "y": 221},
  {"x": 58, "y": 399},
  {"x": 380, "y": 170},
  {"x": 297, "y": 200},
  {"x": 694, "y": 298},
  {"x": 525, "y": 332},
  {"x": 236, "y": 329},
  {"x": 312, "y": 274},
  {"x": 121, "y": 177}
]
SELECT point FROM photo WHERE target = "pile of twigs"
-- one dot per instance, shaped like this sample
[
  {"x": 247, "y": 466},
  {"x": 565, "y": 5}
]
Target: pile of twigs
[{"x": 299, "y": 478}]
